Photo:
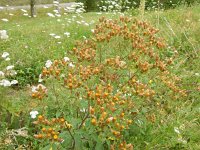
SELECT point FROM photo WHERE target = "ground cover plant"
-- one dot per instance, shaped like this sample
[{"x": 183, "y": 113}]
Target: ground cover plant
[{"x": 117, "y": 82}]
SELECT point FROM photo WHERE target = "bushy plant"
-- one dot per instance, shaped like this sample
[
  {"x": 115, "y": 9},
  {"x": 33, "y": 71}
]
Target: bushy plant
[
  {"x": 7, "y": 72},
  {"x": 28, "y": 75},
  {"x": 90, "y": 5},
  {"x": 122, "y": 5},
  {"x": 116, "y": 5},
  {"x": 106, "y": 82},
  {"x": 76, "y": 8},
  {"x": 166, "y": 4}
]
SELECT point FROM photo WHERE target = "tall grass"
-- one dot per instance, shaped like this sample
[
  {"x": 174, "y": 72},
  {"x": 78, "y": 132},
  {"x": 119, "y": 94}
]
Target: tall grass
[{"x": 30, "y": 46}]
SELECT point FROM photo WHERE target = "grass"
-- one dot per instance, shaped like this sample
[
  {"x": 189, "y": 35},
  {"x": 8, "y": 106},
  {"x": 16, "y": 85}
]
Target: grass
[
  {"x": 30, "y": 45},
  {"x": 26, "y": 2},
  {"x": 38, "y": 47}
]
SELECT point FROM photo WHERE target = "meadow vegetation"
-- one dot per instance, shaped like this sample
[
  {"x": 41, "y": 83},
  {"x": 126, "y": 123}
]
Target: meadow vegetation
[
  {"x": 107, "y": 80},
  {"x": 27, "y": 2}
]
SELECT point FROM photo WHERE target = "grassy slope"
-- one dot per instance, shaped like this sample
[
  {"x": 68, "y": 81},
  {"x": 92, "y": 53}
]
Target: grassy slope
[
  {"x": 30, "y": 43},
  {"x": 26, "y": 2}
]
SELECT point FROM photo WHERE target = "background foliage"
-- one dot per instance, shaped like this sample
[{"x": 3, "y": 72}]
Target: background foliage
[{"x": 165, "y": 4}]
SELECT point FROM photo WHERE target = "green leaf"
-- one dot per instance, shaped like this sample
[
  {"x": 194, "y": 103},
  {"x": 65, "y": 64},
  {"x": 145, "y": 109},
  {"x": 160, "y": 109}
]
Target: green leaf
[
  {"x": 58, "y": 113},
  {"x": 91, "y": 144},
  {"x": 99, "y": 146},
  {"x": 78, "y": 142},
  {"x": 144, "y": 110},
  {"x": 48, "y": 147},
  {"x": 83, "y": 104},
  {"x": 67, "y": 139},
  {"x": 54, "y": 146},
  {"x": 75, "y": 121}
]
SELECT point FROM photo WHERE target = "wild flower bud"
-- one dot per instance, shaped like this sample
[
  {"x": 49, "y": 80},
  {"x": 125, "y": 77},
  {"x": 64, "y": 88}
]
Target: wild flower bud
[{"x": 94, "y": 122}]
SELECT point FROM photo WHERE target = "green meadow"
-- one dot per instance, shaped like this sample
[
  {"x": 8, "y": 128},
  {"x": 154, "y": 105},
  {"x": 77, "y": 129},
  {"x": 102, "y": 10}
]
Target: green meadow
[{"x": 33, "y": 41}]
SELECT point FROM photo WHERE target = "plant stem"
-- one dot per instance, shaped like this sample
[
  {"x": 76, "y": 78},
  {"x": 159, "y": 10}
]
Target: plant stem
[
  {"x": 142, "y": 8},
  {"x": 158, "y": 13},
  {"x": 71, "y": 137}
]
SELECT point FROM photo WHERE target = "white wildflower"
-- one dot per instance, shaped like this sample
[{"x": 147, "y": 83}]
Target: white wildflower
[
  {"x": 5, "y": 20},
  {"x": 5, "y": 54},
  {"x": 80, "y": 10},
  {"x": 87, "y": 24},
  {"x": 181, "y": 140},
  {"x": 176, "y": 129},
  {"x": 7, "y": 59},
  {"x": 39, "y": 86},
  {"x": 48, "y": 63},
  {"x": 56, "y": 11},
  {"x": 62, "y": 75},
  {"x": 99, "y": 13},
  {"x": 66, "y": 59},
  {"x": 3, "y": 34},
  {"x": 25, "y": 14},
  {"x": 5, "y": 83},
  {"x": 13, "y": 82},
  {"x": 110, "y": 119},
  {"x": 58, "y": 15},
  {"x": 13, "y": 72},
  {"x": 71, "y": 65},
  {"x": 4, "y": 37},
  {"x": 122, "y": 64},
  {"x": 34, "y": 114},
  {"x": 57, "y": 37},
  {"x": 40, "y": 78},
  {"x": 83, "y": 110},
  {"x": 1, "y": 74},
  {"x": 34, "y": 89},
  {"x": 92, "y": 30},
  {"x": 55, "y": 2},
  {"x": 182, "y": 127},
  {"x": 78, "y": 22},
  {"x": 9, "y": 67},
  {"x": 23, "y": 10},
  {"x": 67, "y": 34},
  {"x": 52, "y": 34},
  {"x": 50, "y": 15}
]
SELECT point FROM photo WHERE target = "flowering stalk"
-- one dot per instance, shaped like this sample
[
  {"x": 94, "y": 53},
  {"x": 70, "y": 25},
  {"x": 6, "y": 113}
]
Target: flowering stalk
[
  {"x": 142, "y": 8},
  {"x": 107, "y": 86}
]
